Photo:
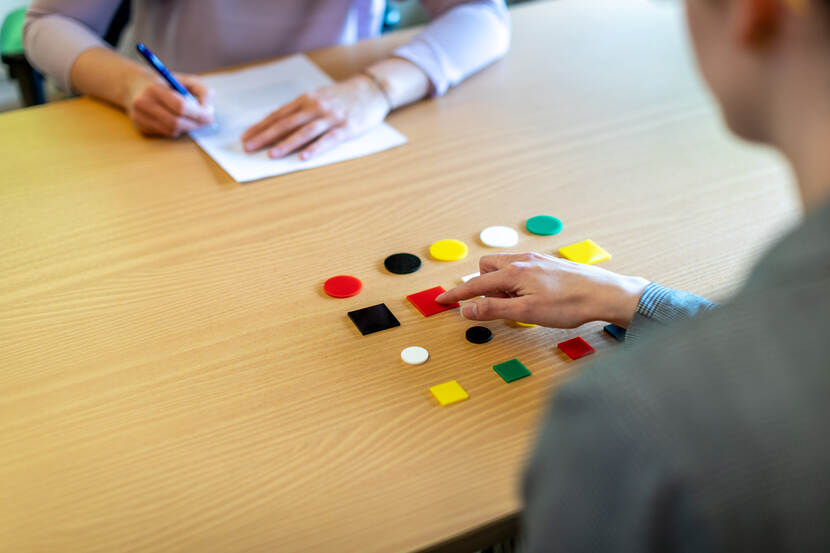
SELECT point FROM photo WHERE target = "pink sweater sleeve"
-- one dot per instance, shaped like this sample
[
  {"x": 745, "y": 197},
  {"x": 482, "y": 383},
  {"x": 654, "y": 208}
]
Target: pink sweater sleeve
[
  {"x": 56, "y": 32},
  {"x": 463, "y": 37}
]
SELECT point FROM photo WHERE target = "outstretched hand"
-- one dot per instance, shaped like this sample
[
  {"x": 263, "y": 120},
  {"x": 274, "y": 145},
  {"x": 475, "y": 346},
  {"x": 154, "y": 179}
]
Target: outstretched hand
[{"x": 540, "y": 289}]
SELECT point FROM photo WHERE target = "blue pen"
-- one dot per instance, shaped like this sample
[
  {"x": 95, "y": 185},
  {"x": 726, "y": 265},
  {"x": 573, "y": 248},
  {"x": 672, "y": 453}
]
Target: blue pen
[{"x": 156, "y": 64}]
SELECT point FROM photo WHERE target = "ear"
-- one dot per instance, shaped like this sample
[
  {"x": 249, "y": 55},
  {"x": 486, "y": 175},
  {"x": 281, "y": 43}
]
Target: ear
[{"x": 755, "y": 23}]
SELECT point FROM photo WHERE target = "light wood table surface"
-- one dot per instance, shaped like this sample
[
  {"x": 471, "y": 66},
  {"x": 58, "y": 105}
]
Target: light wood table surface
[{"x": 174, "y": 379}]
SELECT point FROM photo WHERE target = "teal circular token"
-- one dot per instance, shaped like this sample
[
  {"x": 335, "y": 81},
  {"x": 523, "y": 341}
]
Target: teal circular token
[{"x": 544, "y": 225}]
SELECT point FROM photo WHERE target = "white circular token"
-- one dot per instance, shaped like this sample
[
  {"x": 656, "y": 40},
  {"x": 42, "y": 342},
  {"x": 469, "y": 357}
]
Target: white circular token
[
  {"x": 499, "y": 237},
  {"x": 415, "y": 355}
]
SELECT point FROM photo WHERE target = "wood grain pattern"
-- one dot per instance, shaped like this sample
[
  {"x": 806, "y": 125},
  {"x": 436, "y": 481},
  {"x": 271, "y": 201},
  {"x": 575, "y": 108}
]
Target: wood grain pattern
[{"x": 175, "y": 380}]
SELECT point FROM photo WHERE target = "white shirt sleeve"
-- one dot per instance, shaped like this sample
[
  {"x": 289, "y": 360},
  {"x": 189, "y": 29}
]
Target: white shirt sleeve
[{"x": 463, "y": 38}]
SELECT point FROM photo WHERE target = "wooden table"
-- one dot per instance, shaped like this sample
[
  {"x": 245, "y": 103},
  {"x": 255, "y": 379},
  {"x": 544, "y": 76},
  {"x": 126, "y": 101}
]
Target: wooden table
[{"x": 174, "y": 379}]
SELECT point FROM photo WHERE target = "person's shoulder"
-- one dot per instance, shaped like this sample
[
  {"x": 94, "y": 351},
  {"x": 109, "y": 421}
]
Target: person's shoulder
[
  {"x": 736, "y": 391},
  {"x": 757, "y": 343},
  {"x": 710, "y": 433}
]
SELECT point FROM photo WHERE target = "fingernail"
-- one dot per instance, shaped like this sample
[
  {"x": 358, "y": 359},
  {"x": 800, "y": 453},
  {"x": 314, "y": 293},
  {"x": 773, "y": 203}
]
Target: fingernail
[
  {"x": 249, "y": 146},
  {"x": 440, "y": 297},
  {"x": 470, "y": 311}
]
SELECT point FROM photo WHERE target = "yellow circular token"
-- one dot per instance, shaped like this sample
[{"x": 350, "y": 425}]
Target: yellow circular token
[
  {"x": 527, "y": 325},
  {"x": 448, "y": 250}
]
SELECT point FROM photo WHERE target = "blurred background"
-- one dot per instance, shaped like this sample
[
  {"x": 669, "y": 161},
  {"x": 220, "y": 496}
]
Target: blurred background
[
  {"x": 8, "y": 92},
  {"x": 21, "y": 86}
]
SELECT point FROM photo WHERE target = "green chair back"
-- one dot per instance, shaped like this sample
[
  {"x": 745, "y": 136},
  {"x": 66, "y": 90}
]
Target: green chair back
[{"x": 11, "y": 33}]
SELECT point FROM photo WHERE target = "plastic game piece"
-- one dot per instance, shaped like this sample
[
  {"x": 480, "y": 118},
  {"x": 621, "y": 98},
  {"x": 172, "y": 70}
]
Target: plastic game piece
[
  {"x": 448, "y": 250},
  {"x": 576, "y": 348},
  {"x": 525, "y": 325},
  {"x": 415, "y": 355},
  {"x": 544, "y": 225},
  {"x": 470, "y": 277},
  {"x": 479, "y": 334},
  {"x": 425, "y": 301},
  {"x": 402, "y": 263},
  {"x": 449, "y": 392},
  {"x": 617, "y": 332},
  {"x": 342, "y": 286},
  {"x": 499, "y": 237},
  {"x": 373, "y": 319},
  {"x": 511, "y": 370},
  {"x": 587, "y": 252}
]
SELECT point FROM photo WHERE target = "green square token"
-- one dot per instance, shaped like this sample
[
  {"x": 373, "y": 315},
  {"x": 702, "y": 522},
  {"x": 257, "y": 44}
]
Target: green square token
[{"x": 511, "y": 370}]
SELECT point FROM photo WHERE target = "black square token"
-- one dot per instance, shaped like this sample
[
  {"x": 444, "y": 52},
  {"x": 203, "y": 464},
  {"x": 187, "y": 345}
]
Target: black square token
[
  {"x": 617, "y": 332},
  {"x": 373, "y": 319}
]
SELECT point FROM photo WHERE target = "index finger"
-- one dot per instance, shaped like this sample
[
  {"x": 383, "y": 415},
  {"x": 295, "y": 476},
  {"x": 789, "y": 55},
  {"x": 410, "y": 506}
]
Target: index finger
[
  {"x": 179, "y": 106},
  {"x": 198, "y": 89},
  {"x": 491, "y": 284},
  {"x": 288, "y": 109}
]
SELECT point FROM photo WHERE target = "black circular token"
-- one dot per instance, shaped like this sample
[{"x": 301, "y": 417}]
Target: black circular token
[
  {"x": 479, "y": 334},
  {"x": 402, "y": 263}
]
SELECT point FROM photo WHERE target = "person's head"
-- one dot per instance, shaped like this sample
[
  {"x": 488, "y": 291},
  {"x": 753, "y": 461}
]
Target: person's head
[{"x": 759, "y": 57}]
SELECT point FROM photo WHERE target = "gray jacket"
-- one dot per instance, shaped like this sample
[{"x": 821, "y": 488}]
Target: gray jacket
[{"x": 707, "y": 434}]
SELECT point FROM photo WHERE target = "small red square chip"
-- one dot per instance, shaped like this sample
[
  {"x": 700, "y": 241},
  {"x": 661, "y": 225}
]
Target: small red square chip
[
  {"x": 576, "y": 348},
  {"x": 425, "y": 301}
]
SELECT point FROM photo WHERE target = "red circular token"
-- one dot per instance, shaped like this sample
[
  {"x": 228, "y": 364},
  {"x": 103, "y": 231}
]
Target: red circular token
[{"x": 342, "y": 286}]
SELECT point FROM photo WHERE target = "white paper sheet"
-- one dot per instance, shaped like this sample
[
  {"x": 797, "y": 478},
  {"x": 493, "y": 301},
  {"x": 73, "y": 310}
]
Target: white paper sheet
[{"x": 245, "y": 97}]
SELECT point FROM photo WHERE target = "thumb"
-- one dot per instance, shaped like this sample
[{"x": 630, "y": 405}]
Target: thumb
[
  {"x": 196, "y": 87},
  {"x": 488, "y": 309}
]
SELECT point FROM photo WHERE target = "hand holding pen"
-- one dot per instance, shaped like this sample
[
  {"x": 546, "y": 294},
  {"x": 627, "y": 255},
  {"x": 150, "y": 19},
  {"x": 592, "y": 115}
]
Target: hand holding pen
[{"x": 170, "y": 105}]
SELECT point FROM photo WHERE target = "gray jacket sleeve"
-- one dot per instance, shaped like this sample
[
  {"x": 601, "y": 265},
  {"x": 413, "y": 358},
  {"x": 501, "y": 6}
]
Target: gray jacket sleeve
[{"x": 660, "y": 306}]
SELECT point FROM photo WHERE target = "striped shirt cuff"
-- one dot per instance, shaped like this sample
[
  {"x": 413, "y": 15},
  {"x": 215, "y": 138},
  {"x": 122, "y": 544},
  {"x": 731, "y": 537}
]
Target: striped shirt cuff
[
  {"x": 660, "y": 306},
  {"x": 653, "y": 296}
]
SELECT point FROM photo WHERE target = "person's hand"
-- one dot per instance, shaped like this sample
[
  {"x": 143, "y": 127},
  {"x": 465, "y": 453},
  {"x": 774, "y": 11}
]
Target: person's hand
[
  {"x": 539, "y": 289},
  {"x": 320, "y": 120},
  {"x": 158, "y": 110}
]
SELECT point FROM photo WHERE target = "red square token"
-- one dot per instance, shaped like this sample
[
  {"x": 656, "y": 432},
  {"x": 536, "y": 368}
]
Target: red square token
[
  {"x": 425, "y": 301},
  {"x": 576, "y": 348}
]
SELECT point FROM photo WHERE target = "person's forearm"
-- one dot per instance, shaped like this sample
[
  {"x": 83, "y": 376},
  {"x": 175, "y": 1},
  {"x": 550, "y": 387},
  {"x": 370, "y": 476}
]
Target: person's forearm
[
  {"x": 401, "y": 81},
  {"x": 618, "y": 304},
  {"x": 106, "y": 75}
]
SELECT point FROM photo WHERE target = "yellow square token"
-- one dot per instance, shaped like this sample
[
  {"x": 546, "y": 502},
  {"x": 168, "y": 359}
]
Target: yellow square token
[
  {"x": 587, "y": 252},
  {"x": 449, "y": 392}
]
